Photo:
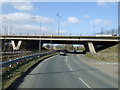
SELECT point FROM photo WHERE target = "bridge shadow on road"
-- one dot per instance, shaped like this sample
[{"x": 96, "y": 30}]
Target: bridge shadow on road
[
  {"x": 60, "y": 72},
  {"x": 21, "y": 79}
]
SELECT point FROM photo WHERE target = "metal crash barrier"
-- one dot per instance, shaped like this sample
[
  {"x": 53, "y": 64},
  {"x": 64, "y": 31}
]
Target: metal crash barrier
[{"x": 8, "y": 63}]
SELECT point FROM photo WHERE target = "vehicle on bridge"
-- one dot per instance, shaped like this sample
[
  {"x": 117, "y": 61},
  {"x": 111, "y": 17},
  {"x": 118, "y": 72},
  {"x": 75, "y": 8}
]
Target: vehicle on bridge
[{"x": 106, "y": 34}]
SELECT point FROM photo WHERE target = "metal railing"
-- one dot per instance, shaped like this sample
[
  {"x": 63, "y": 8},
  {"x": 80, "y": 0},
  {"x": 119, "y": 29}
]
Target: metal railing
[
  {"x": 56, "y": 34},
  {"x": 60, "y": 34},
  {"x": 8, "y": 63}
]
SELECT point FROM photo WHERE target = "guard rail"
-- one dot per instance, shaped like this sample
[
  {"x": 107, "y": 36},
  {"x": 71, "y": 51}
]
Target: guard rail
[{"x": 10, "y": 62}]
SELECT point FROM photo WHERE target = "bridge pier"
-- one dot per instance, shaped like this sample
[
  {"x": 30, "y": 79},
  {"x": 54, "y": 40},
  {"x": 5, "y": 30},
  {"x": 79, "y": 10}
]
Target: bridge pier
[
  {"x": 89, "y": 47},
  {"x": 18, "y": 45}
]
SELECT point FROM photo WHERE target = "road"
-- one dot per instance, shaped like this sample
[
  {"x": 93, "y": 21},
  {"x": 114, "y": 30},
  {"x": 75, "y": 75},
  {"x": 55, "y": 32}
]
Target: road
[{"x": 67, "y": 72}]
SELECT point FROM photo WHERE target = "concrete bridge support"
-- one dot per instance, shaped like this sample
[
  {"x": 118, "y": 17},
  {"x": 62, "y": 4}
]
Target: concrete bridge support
[
  {"x": 89, "y": 47},
  {"x": 14, "y": 46}
]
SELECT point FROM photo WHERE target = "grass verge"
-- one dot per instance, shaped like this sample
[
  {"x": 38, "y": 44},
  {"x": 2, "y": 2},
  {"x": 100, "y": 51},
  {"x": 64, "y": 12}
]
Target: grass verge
[
  {"x": 11, "y": 77},
  {"x": 101, "y": 58}
]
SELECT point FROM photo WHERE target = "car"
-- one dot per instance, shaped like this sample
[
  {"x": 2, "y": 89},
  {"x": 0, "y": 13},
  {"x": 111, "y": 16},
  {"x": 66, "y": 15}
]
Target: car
[
  {"x": 75, "y": 51},
  {"x": 62, "y": 53}
]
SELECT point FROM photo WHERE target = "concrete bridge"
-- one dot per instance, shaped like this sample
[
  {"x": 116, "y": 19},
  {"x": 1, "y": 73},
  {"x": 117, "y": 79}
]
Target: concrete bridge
[{"x": 92, "y": 44}]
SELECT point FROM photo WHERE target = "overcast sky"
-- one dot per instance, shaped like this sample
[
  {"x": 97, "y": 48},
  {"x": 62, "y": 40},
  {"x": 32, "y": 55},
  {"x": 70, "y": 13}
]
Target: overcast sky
[{"x": 77, "y": 17}]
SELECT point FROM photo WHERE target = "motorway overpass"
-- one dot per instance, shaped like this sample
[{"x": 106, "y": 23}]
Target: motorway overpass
[{"x": 91, "y": 43}]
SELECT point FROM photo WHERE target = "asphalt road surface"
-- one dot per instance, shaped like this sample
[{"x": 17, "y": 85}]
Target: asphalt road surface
[{"x": 67, "y": 72}]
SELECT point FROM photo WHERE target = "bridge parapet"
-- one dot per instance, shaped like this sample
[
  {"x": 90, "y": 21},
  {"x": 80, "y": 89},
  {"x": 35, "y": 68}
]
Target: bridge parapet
[{"x": 49, "y": 34}]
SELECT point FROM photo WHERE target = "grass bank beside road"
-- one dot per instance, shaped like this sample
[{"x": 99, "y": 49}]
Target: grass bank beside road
[
  {"x": 109, "y": 54},
  {"x": 15, "y": 73}
]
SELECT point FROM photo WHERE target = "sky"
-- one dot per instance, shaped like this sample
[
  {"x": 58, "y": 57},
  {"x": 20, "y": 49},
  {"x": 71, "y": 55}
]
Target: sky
[{"x": 74, "y": 17}]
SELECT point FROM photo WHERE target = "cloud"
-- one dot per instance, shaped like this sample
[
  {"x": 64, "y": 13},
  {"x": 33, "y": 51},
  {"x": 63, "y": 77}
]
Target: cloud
[
  {"x": 70, "y": 20},
  {"x": 96, "y": 21},
  {"x": 100, "y": 21},
  {"x": 73, "y": 20},
  {"x": 20, "y": 5},
  {"x": 23, "y": 6},
  {"x": 63, "y": 23},
  {"x": 30, "y": 28},
  {"x": 43, "y": 19},
  {"x": 60, "y": 32},
  {"x": 102, "y": 3},
  {"x": 27, "y": 18},
  {"x": 25, "y": 29},
  {"x": 33, "y": 29},
  {"x": 86, "y": 16},
  {"x": 24, "y": 22}
]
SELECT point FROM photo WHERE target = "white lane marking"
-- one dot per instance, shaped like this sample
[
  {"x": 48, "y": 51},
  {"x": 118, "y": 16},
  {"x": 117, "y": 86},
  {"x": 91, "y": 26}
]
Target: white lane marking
[
  {"x": 68, "y": 64},
  {"x": 79, "y": 77},
  {"x": 85, "y": 83},
  {"x": 105, "y": 63}
]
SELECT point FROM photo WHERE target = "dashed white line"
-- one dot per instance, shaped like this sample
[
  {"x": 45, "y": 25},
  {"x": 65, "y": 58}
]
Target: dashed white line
[
  {"x": 79, "y": 77},
  {"x": 68, "y": 64},
  {"x": 85, "y": 83}
]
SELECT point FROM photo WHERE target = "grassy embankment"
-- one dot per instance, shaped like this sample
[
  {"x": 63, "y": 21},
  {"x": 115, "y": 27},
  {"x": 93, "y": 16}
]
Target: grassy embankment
[
  {"x": 109, "y": 54},
  {"x": 11, "y": 76}
]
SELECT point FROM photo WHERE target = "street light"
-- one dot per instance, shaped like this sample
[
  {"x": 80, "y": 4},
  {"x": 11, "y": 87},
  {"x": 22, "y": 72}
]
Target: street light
[
  {"x": 40, "y": 31},
  {"x": 58, "y": 23},
  {"x": 11, "y": 28},
  {"x": 8, "y": 26}
]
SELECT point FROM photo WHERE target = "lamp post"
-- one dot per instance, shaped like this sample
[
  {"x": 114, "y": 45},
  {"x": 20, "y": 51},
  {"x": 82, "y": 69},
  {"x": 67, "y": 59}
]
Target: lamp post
[
  {"x": 58, "y": 23},
  {"x": 40, "y": 39},
  {"x": 11, "y": 28},
  {"x": 40, "y": 31},
  {"x": 6, "y": 25}
]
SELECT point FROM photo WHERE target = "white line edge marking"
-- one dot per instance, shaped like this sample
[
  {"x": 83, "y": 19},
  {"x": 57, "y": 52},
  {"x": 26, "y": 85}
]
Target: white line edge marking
[
  {"x": 68, "y": 65},
  {"x": 106, "y": 63},
  {"x": 85, "y": 83}
]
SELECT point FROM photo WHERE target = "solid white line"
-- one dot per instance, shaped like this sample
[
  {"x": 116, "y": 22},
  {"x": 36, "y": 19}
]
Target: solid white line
[
  {"x": 68, "y": 64},
  {"x": 105, "y": 63},
  {"x": 85, "y": 83}
]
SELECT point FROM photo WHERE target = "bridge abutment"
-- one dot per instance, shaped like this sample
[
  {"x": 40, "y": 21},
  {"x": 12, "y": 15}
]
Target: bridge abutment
[
  {"x": 89, "y": 47},
  {"x": 14, "y": 44}
]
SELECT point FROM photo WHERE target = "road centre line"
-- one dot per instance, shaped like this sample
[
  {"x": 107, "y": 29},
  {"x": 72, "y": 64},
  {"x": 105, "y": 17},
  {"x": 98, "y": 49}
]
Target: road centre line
[
  {"x": 68, "y": 64},
  {"x": 79, "y": 77},
  {"x": 82, "y": 79},
  {"x": 85, "y": 83}
]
